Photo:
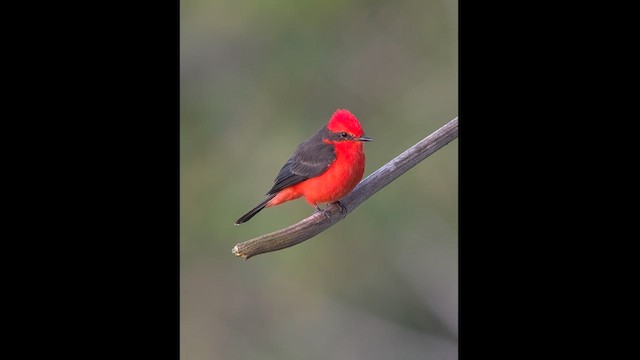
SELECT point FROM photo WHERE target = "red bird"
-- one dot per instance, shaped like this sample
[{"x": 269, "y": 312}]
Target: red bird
[{"x": 323, "y": 169}]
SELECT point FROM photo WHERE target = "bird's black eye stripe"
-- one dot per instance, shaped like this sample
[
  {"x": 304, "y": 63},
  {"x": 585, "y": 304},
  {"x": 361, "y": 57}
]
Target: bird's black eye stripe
[{"x": 340, "y": 136}]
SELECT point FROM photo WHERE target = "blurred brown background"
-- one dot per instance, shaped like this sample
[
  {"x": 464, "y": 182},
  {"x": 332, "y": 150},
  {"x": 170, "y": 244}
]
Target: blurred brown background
[{"x": 257, "y": 78}]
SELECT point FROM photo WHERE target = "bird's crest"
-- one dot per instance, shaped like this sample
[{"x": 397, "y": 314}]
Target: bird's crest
[{"x": 343, "y": 120}]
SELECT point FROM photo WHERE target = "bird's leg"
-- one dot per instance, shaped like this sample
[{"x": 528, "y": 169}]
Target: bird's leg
[
  {"x": 343, "y": 209},
  {"x": 326, "y": 212}
]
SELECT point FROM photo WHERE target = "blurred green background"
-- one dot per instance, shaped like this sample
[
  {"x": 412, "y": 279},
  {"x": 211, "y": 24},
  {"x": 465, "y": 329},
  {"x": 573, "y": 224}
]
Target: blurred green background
[{"x": 256, "y": 79}]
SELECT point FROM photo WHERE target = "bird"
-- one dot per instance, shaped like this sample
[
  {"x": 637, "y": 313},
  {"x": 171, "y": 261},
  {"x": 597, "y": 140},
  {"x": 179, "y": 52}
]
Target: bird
[{"x": 323, "y": 169}]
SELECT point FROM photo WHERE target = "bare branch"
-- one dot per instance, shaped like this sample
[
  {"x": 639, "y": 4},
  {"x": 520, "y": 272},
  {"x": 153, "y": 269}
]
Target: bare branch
[{"x": 318, "y": 221}]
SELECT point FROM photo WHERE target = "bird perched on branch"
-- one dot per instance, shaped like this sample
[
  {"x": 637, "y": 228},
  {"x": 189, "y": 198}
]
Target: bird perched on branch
[{"x": 323, "y": 169}]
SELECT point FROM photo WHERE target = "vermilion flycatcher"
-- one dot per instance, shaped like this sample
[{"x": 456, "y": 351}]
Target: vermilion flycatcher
[{"x": 323, "y": 169}]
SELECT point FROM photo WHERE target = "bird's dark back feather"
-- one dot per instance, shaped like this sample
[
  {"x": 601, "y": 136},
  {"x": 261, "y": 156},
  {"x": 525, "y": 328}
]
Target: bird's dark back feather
[{"x": 310, "y": 159}]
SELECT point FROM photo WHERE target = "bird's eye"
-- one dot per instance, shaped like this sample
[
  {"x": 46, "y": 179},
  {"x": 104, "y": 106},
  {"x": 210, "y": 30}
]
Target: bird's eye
[{"x": 344, "y": 134}]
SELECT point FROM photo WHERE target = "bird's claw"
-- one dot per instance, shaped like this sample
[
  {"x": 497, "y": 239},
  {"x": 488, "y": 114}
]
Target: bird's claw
[{"x": 327, "y": 213}]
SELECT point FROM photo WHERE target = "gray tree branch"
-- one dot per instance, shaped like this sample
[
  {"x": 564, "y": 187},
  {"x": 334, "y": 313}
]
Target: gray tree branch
[{"x": 319, "y": 221}]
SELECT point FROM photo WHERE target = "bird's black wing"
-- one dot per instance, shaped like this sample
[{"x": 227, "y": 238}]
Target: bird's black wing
[{"x": 311, "y": 159}]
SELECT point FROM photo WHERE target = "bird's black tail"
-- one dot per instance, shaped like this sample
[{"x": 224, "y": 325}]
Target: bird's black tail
[{"x": 255, "y": 210}]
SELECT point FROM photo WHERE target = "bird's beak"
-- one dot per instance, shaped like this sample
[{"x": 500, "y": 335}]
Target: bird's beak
[{"x": 363, "y": 138}]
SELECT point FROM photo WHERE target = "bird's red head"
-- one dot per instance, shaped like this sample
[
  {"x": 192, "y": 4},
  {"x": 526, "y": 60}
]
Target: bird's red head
[{"x": 344, "y": 121}]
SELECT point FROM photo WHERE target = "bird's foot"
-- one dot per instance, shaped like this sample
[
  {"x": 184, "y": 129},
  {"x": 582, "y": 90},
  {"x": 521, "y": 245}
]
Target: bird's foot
[
  {"x": 343, "y": 209},
  {"x": 327, "y": 213}
]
